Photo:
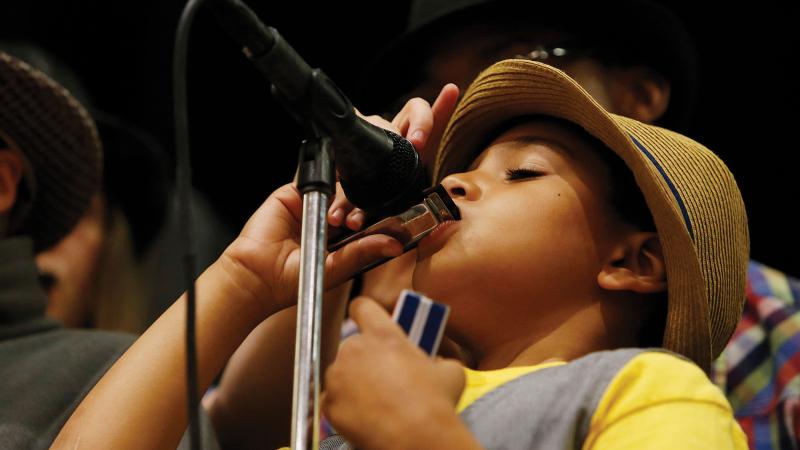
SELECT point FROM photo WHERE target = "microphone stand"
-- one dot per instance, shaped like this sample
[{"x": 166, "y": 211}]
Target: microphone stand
[
  {"x": 316, "y": 179},
  {"x": 302, "y": 96}
]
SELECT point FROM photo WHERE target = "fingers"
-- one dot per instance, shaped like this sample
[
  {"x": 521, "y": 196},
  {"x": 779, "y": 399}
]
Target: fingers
[
  {"x": 290, "y": 198},
  {"x": 371, "y": 318},
  {"x": 342, "y": 264},
  {"x": 342, "y": 212},
  {"x": 415, "y": 121},
  {"x": 445, "y": 104},
  {"x": 280, "y": 213},
  {"x": 336, "y": 216},
  {"x": 339, "y": 208},
  {"x": 451, "y": 375},
  {"x": 423, "y": 124},
  {"x": 379, "y": 122},
  {"x": 355, "y": 220},
  {"x": 441, "y": 111}
]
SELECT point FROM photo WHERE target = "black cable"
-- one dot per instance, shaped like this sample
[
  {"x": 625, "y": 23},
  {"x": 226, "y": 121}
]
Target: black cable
[{"x": 184, "y": 181}]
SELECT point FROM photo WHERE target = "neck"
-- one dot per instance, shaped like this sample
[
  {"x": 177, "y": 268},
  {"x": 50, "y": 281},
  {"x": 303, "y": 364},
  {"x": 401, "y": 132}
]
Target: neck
[{"x": 582, "y": 332}]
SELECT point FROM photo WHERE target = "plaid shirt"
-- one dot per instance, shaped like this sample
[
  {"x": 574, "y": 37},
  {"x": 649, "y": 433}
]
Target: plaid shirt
[{"x": 759, "y": 371}]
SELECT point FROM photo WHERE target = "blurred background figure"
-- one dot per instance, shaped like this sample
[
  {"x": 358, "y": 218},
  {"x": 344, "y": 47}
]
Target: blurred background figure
[
  {"x": 120, "y": 265},
  {"x": 634, "y": 57},
  {"x": 99, "y": 275},
  {"x": 50, "y": 166}
]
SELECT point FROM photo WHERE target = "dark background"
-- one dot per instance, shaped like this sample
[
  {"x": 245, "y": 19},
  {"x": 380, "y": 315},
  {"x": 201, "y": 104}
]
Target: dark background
[{"x": 244, "y": 145}]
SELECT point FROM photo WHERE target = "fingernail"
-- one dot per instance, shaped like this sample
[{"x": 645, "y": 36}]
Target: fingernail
[
  {"x": 417, "y": 136},
  {"x": 358, "y": 219},
  {"x": 337, "y": 216}
]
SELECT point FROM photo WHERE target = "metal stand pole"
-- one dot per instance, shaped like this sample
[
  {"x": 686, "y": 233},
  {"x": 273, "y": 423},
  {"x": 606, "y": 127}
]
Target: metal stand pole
[{"x": 315, "y": 182}]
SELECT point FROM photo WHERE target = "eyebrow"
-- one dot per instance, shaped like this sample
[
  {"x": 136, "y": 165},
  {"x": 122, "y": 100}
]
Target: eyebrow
[{"x": 527, "y": 139}]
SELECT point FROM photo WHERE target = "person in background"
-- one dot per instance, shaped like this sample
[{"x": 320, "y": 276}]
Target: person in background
[
  {"x": 115, "y": 269},
  {"x": 51, "y": 163},
  {"x": 102, "y": 274},
  {"x": 50, "y": 166},
  {"x": 99, "y": 275}
]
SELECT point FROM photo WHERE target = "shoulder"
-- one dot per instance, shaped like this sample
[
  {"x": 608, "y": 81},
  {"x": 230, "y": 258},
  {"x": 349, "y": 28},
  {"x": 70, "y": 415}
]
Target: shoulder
[
  {"x": 545, "y": 408},
  {"x": 59, "y": 361},
  {"x": 46, "y": 374},
  {"x": 661, "y": 397},
  {"x": 663, "y": 376},
  {"x": 68, "y": 345}
]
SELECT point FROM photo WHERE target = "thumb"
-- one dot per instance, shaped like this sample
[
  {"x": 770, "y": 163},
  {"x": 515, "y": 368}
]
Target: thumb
[
  {"x": 342, "y": 264},
  {"x": 452, "y": 378}
]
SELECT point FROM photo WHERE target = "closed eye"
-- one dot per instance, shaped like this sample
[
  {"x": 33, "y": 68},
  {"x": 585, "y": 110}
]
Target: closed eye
[{"x": 522, "y": 174}]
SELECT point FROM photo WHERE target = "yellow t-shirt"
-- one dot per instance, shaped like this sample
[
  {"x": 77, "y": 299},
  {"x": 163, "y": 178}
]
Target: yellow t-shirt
[
  {"x": 480, "y": 382},
  {"x": 656, "y": 401}
]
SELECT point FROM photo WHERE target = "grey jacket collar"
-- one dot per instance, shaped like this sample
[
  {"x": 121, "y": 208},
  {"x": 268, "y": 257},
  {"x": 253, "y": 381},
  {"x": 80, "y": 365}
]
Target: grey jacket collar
[{"x": 22, "y": 299}]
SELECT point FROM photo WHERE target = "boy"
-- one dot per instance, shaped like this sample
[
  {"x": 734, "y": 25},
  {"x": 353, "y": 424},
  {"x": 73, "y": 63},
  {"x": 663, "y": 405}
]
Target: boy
[{"x": 543, "y": 277}]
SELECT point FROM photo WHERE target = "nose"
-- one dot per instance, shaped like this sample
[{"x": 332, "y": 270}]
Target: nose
[{"x": 461, "y": 186}]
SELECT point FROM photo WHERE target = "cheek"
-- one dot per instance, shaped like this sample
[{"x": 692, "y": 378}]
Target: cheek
[
  {"x": 439, "y": 275},
  {"x": 540, "y": 248},
  {"x": 544, "y": 256}
]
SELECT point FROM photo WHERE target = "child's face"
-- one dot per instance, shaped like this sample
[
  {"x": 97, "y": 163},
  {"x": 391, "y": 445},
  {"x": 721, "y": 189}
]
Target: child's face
[{"x": 535, "y": 232}]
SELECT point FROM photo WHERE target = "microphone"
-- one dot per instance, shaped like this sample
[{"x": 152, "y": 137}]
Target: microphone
[{"x": 380, "y": 171}]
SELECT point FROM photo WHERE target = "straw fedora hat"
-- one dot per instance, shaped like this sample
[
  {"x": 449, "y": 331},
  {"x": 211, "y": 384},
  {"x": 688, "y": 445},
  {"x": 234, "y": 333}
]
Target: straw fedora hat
[
  {"x": 695, "y": 202},
  {"x": 60, "y": 145}
]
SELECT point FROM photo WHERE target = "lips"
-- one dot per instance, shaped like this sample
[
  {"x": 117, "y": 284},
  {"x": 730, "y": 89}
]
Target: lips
[{"x": 438, "y": 237}]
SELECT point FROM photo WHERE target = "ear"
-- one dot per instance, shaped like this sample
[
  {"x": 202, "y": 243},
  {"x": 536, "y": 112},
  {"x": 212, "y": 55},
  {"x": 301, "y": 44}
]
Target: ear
[
  {"x": 639, "y": 93},
  {"x": 635, "y": 264},
  {"x": 10, "y": 174}
]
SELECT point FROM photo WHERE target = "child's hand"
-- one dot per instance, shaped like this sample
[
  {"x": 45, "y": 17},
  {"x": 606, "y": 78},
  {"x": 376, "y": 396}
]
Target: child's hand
[
  {"x": 343, "y": 213},
  {"x": 382, "y": 388},
  {"x": 264, "y": 259},
  {"x": 420, "y": 123}
]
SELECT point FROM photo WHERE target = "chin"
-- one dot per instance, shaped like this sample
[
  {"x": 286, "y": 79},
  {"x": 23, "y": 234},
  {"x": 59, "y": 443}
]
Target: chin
[
  {"x": 426, "y": 280},
  {"x": 442, "y": 279}
]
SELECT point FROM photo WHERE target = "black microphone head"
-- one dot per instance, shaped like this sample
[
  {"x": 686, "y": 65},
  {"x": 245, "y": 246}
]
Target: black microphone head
[{"x": 395, "y": 185}]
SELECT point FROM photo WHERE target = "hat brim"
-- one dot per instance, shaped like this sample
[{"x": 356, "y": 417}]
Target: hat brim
[
  {"x": 60, "y": 142},
  {"x": 516, "y": 88}
]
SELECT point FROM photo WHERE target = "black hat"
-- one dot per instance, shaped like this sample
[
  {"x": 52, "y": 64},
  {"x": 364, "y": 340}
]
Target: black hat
[
  {"x": 60, "y": 143},
  {"x": 625, "y": 32},
  {"x": 134, "y": 166}
]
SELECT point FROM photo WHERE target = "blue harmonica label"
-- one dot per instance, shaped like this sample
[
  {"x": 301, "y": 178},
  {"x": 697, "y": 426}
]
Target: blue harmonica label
[{"x": 422, "y": 319}]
